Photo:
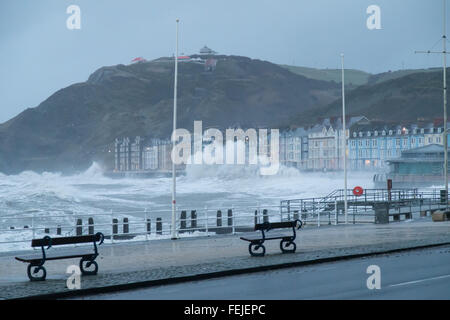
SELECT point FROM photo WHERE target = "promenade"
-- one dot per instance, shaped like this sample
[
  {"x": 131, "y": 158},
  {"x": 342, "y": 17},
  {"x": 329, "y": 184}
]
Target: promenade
[{"x": 135, "y": 262}]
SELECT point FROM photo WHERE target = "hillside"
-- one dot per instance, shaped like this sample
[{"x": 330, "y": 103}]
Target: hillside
[
  {"x": 405, "y": 99},
  {"x": 77, "y": 124},
  {"x": 353, "y": 77}
]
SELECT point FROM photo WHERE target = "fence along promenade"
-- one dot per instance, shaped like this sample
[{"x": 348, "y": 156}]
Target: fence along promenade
[{"x": 373, "y": 206}]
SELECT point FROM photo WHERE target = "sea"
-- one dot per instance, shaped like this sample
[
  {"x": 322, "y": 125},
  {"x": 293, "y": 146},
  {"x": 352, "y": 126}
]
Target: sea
[{"x": 51, "y": 199}]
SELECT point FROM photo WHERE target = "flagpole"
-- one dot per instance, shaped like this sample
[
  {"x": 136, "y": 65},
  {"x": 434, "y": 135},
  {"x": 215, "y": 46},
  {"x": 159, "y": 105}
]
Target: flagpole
[
  {"x": 445, "y": 138},
  {"x": 444, "y": 41},
  {"x": 174, "y": 178},
  {"x": 344, "y": 139}
]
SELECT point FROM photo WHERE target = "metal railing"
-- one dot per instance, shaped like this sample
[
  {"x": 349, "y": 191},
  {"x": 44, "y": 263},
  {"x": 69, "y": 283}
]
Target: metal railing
[{"x": 143, "y": 224}]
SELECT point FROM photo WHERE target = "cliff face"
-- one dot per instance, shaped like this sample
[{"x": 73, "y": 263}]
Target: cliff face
[{"x": 77, "y": 124}]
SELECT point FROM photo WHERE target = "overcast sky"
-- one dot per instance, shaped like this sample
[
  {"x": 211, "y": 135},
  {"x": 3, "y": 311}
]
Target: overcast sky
[{"x": 39, "y": 55}]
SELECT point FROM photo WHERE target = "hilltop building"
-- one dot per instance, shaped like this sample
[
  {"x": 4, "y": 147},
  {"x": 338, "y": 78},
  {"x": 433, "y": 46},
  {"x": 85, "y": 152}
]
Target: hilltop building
[{"x": 205, "y": 51}]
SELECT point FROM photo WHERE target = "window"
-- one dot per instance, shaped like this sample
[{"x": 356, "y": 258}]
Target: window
[
  {"x": 367, "y": 143},
  {"x": 413, "y": 140},
  {"x": 374, "y": 142},
  {"x": 397, "y": 142}
]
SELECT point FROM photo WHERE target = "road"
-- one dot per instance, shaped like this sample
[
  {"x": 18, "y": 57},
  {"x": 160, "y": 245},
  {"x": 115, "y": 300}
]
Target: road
[{"x": 416, "y": 274}]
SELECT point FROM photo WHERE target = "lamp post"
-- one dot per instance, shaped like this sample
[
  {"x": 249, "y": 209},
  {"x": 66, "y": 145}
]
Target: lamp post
[
  {"x": 344, "y": 139},
  {"x": 444, "y": 62},
  {"x": 174, "y": 177}
]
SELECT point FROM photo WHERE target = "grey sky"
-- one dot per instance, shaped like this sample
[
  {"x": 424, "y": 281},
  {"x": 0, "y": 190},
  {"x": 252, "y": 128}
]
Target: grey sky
[{"x": 39, "y": 55}]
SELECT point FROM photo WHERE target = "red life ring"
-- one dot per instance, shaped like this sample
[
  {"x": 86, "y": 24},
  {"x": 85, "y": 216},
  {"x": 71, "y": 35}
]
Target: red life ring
[{"x": 358, "y": 191}]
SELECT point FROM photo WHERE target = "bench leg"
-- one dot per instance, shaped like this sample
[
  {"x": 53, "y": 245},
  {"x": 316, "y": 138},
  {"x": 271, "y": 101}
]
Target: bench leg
[
  {"x": 33, "y": 274},
  {"x": 86, "y": 263},
  {"x": 253, "y": 248},
  {"x": 285, "y": 244}
]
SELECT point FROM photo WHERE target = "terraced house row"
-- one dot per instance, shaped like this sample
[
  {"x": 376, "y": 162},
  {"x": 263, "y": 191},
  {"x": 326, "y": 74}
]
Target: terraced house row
[{"x": 371, "y": 144}]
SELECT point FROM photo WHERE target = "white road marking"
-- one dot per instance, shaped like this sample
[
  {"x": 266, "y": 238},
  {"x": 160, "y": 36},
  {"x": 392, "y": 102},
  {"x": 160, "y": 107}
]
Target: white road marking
[{"x": 418, "y": 281}]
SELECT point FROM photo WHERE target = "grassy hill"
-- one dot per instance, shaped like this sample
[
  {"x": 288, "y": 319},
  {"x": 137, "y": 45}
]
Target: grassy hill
[
  {"x": 404, "y": 99},
  {"x": 353, "y": 77},
  {"x": 78, "y": 124}
]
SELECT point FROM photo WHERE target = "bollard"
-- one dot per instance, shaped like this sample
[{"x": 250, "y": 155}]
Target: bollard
[
  {"x": 219, "y": 218},
  {"x": 265, "y": 216},
  {"x": 193, "y": 220},
  {"x": 230, "y": 217},
  {"x": 296, "y": 215},
  {"x": 58, "y": 230},
  {"x": 149, "y": 226},
  {"x": 46, "y": 230},
  {"x": 256, "y": 217},
  {"x": 183, "y": 221},
  {"x": 91, "y": 225},
  {"x": 79, "y": 229},
  {"x": 381, "y": 212},
  {"x": 443, "y": 196},
  {"x": 126, "y": 226},
  {"x": 115, "y": 226},
  {"x": 159, "y": 226}
]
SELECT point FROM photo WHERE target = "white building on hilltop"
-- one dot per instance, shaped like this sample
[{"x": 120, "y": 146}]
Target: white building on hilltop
[{"x": 205, "y": 51}]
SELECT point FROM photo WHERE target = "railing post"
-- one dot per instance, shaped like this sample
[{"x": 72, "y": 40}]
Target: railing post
[
  {"x": 183, "y": 221},
  {"x": 230, "y": 216},
  {"x": 79, "y": 229},
  {"x": 193, "y": 220},
  {"x": 265, "y": 215},
  {"x": 318, "y": 219},
  {"x": 219, "y": 219},
  {"x": 112, "y": 226},
  {"x": 91, "y": 226},
  {"x": 206, "y": 220},
  {"x": 146, "y": 225},
  {"x": 335, "y": 213},
  {"x": 126, "y": 226},
  {"x": 32, "y": 225},
  {"x": 159, "y": 226}
]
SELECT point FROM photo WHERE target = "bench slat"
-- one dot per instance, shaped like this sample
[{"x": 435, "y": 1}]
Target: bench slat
[
  {"x": 34, "y": 258},
  {"x": 64, "y": 240},
  {"x": 275, "y": 225},
  {"x": 269, "y": 236}
]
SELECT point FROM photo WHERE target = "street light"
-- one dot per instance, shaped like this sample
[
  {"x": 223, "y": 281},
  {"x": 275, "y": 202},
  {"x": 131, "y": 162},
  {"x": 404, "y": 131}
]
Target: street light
[
  {"x": 344, "y": 139},
  {"x": 174, "y": 178}
]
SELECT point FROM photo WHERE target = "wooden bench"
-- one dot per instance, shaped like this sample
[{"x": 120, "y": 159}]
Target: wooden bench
[
  {"x": 257, "y": 240},
  {"x": 36, "y": 262}
]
